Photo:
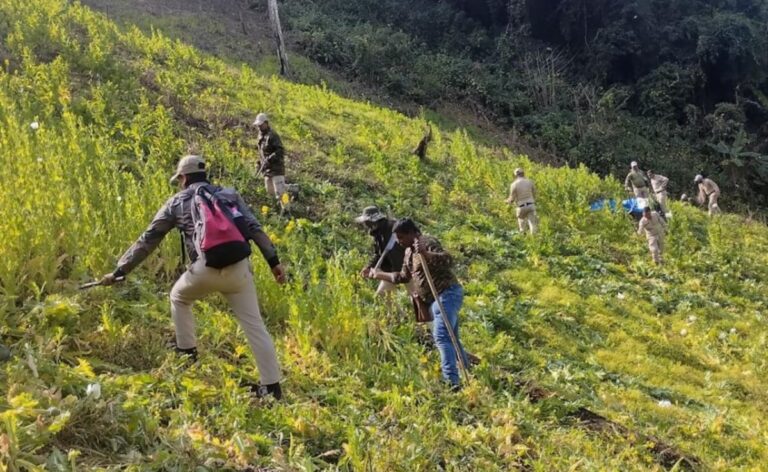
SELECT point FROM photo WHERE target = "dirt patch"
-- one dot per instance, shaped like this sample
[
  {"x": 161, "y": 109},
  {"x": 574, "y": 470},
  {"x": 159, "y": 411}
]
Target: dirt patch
[{"x": 665, "y": 454}]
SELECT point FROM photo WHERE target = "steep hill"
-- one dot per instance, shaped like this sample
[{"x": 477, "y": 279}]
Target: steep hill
[
  {"x": 593, "y": 359},
  {"x": 680, "y": 87}
]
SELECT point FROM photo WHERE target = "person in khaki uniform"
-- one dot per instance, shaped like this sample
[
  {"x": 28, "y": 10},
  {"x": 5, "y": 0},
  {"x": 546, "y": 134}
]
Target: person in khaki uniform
[
  {"x": 655, "y": 229},
  {"x": 636, "y": 181},
  {"x": 271, "y": 157},
  {"x": 659, "y": 185},
  {"x": 709, "y": 193},
  {"x": 234, "y": 282},
  {"x": 522, "y": 194}
]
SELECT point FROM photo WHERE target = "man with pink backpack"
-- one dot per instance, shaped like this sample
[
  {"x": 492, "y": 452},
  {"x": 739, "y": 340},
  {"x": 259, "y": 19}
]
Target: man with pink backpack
[{"x": 216, "y": 227}]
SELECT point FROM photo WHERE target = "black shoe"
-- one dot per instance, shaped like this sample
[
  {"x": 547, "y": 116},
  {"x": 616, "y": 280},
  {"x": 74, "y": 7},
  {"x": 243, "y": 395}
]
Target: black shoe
[
  {"x": 473, "y": 359},
  {"x": 190, "y": 354},
  {"x": 263, "y": 391}
]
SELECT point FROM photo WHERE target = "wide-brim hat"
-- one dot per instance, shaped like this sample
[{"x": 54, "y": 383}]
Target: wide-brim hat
[{"x": 370, "y": 214}]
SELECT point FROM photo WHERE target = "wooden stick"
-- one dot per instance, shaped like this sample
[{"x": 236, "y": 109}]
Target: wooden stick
[{"x": 449, "y": 327}]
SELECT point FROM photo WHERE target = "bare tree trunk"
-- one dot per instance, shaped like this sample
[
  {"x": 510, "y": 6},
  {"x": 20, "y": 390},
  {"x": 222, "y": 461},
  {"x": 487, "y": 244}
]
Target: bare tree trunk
[
  {"x": 277, "y": 30},
  {"x": 242, "y": 23}
]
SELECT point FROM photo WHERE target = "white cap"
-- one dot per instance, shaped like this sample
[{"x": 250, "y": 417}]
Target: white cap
[
  {"x": 188, "y": 165},
  {"x": 633, "y": 164},
  {"x": 519, "y": 171},
  {"x": 261, "y": 118},
  {"x": 698, "y": 178}
]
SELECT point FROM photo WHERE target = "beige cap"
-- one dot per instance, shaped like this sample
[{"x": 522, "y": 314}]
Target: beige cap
[
  {"x": 261, "y": 118},
  {"x": 189, "y": 165},
  {"x": 519, "y": 171}
]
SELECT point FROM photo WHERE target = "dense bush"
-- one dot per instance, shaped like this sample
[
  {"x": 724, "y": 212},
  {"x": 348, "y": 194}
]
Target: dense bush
[{"x": 528, "y": 64}]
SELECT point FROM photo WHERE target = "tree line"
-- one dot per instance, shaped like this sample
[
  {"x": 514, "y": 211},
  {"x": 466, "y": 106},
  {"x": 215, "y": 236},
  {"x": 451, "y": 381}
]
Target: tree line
[{"x": 678, "y": 85}]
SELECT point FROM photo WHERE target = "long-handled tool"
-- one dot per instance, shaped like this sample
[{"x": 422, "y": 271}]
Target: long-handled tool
[
  {"x": 444, "y": 316},
  {"x": 390, "y": 245},
  {"x": 98, "y": 283}
]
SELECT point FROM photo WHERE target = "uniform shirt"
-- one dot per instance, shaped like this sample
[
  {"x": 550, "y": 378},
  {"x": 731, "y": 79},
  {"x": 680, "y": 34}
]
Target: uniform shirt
[
  {"x": 659, "y": 183},
  {"x": 271, "y": 154},
  {"x": 654, "y": 227},
  {"x": 522, "y": 191},
  {"x": 637, "y": 179},
  {"x": 177, "y": 213},
  {"x": 708, "y": 186},
  {"x": 440, "y": 266}
]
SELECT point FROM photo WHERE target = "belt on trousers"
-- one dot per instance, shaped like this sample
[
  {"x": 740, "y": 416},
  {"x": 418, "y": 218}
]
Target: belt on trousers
[{"x": 525, "y": 205}]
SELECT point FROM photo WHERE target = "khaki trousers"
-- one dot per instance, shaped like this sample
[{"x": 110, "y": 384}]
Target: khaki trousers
[
  {"x": 656, "y": 245},
  {"x": 236, "y": 284},
  {"x": 275, "y": 185},
  {"x": 714, "y": 208},
  {"x": 641, "y": 192},
  {"x": 527, "y": 218}
]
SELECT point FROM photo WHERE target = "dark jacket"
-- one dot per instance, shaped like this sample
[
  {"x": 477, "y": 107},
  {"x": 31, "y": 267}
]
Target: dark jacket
[
  {"x": 177, "y": 213},
  {"x": 271, "y": 153},
  {"x": 381, "y": 235}
]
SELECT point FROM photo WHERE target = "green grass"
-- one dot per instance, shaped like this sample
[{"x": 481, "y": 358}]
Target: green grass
[{"x": 578, "y": 310}]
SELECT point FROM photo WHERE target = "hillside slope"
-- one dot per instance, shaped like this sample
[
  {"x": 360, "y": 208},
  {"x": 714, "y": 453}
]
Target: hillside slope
[{"x": 573, "y": 319}]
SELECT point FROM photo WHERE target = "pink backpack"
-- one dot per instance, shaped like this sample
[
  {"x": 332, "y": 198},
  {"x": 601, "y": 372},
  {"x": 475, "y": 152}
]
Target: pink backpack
[{"x": 218, "y": 238}]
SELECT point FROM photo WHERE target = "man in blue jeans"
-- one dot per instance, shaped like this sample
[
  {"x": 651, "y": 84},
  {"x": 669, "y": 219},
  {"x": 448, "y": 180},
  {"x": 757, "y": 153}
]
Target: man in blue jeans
[{"x": 451, "y": 294}]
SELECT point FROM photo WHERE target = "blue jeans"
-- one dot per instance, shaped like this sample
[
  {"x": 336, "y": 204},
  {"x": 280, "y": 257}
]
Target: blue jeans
[{"x": 452, "y": 298}]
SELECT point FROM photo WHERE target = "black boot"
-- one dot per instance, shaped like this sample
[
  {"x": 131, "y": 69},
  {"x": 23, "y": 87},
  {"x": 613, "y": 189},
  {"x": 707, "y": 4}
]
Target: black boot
[
  {"x": 190, "y": 354},
  {"x": 263, "y": 391}
]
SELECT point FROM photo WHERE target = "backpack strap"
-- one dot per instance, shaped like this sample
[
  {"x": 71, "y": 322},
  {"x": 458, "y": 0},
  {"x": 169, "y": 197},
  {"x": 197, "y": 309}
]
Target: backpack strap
[{"x": 183, "y": 249}]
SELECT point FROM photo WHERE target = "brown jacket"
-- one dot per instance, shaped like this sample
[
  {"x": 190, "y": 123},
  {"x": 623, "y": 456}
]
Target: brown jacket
[{"x": 440, "y": 266}]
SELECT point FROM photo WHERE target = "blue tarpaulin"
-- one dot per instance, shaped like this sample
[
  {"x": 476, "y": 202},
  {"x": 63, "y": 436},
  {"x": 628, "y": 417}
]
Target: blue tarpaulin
[
  {"x": 635, "y": 205},
  {"x": 630, "y": 205},
  {"x": 601, "y": 204}
]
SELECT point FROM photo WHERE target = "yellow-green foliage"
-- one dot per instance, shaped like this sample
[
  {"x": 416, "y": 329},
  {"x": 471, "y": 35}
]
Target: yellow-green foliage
[{"x": 578, "y": 309}]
